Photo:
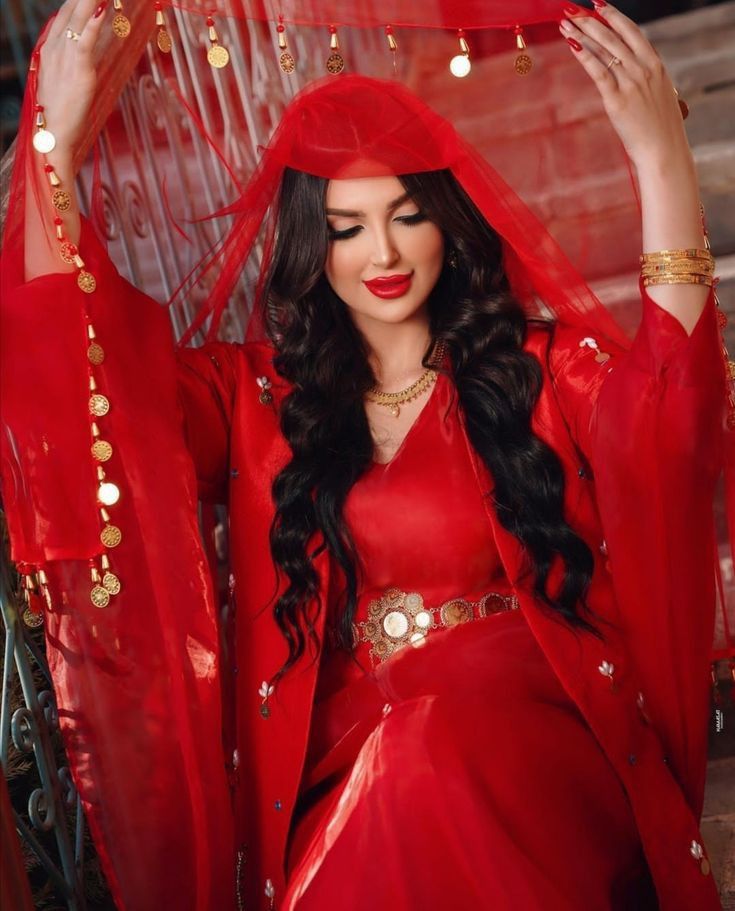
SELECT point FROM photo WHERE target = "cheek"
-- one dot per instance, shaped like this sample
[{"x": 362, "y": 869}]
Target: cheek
[
  {"x": 426, "y": 248},
  {"x": 344, "y": 262}
]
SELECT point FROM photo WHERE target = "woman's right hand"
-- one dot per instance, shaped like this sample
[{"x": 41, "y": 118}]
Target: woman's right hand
[{"x": 67, "y": 76}]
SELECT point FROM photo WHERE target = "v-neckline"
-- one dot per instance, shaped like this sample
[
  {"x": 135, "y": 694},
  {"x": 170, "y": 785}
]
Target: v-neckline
[{"x": 412, "y": 429}]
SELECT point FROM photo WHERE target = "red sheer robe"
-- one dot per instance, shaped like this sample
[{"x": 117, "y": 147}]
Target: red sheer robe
[{"x": 139, "y": 684}]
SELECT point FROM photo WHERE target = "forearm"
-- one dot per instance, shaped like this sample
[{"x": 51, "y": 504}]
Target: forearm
[
  {"x": 41, "y": 245},
  {"x": 669, "y": 193}
]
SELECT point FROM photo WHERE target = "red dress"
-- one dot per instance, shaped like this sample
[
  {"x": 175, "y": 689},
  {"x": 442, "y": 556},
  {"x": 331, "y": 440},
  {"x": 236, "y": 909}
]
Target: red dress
[{"x": 418, "y": 761}]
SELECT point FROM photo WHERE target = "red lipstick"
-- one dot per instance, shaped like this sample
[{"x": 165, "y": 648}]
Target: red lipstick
[{"x": 389, "y": 287}]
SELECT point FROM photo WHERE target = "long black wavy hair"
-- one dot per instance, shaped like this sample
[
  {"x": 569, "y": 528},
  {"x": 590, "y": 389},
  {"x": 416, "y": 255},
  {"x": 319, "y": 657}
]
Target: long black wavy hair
[{"x": 320, "y": 351}]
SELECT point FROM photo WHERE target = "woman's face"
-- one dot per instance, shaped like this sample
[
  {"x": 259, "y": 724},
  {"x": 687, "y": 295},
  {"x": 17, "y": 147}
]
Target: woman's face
[{"x": 384, "y": 256}]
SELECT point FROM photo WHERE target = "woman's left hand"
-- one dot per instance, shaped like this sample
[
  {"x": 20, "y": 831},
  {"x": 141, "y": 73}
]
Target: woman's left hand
[{"x": 637, "y": 92}]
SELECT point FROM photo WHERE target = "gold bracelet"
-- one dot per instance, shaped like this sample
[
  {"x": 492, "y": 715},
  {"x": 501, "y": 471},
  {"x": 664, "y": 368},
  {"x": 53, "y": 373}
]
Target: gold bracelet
[
  {"x": 689, "y": 253},
  {"x": 679, "y": 266},
  {"x": 670, "y": 278}
]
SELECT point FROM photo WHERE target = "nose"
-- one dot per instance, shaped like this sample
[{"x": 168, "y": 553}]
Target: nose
[{"x": 385, "y": 253}]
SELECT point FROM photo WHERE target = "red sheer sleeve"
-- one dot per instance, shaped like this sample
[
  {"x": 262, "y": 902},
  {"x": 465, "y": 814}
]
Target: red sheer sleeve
[
  {"x": 206, "y": 380},
  {"x": 137, "y": 680},
  {"x": 650, "y": 421}
]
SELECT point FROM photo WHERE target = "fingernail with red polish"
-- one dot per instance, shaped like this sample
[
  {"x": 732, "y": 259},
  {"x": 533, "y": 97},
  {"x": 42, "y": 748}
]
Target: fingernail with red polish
[
  {"x": 575, "y": 45},
  {"x": 598, "y": 4},
  {"x": 100, "y": 9},
  {"x": 572, "y": 10}
]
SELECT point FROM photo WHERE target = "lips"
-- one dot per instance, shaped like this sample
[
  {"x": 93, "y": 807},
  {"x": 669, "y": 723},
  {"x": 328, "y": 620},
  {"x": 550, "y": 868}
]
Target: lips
[{"x": 388, "y": 287}]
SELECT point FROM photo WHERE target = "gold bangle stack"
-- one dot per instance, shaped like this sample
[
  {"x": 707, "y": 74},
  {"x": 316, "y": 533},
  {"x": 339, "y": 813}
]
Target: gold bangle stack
[{"x": 690, "y": 266}]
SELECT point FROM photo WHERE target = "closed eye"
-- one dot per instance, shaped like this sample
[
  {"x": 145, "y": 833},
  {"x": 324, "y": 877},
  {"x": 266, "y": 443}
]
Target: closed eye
[
  {"x": 344, "y": 235},
  {"x": 414, "y": 219},
  {"x": 407, "y": 220}
]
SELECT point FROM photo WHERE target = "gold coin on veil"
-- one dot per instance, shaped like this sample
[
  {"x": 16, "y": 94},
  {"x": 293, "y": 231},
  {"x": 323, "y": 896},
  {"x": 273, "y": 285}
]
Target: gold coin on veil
[
  {"x": 86, "y": 281},
  {"x": 335, "y": 64},
  {"x": 523, "y": 64},
  {"x": 286, "y": 62},
  {"x": 99, "y": 596},
  {"x": 44, "y": 141},
  {"x": 121, "y": 26},
  {"x": 68, "y": 251},
  {"x": 164, "y": 41},
  {"x": 99, "y": 405},
  {"x": 111, "y": 583},
  {"x": 32, "y": 619},
  {"x": 101, "y": 450},
  {"x": 110, "y": 536},
  {"x": 218, "y": 56},
  {"x": 95, "y": 354},
  {"x": 60, "y": 200}
]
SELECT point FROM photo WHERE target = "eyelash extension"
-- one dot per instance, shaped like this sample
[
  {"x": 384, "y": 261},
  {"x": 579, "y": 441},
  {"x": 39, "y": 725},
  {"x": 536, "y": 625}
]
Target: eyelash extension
[{"x": 408, "y": 220}]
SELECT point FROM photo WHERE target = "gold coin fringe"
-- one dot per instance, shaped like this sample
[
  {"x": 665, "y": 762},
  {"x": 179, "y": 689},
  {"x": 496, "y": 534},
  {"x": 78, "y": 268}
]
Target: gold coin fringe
[
  {"x": 104, "y": 583},
  {"x": 217, "y": 55},
  {"x": 163, "y": 39},
  {"x": 120, "y": 22},
  {"x": 523, "y": 62}
]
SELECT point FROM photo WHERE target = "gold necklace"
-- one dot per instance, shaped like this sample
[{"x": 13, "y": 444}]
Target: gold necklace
[{"x": 393, "y": 400}]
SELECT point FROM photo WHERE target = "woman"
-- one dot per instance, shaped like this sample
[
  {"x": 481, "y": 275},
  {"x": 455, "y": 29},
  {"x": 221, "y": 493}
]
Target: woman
[{"x": 419, "y": 477}]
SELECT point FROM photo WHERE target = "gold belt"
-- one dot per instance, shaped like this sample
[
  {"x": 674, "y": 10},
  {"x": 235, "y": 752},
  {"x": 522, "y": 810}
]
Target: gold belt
[{"x": 399, "y": 618}]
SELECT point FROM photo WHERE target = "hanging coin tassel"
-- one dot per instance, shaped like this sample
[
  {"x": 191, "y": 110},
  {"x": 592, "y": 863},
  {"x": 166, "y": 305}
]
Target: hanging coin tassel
[
  {"x": 33, "y": 615},
  {"x": 286, "y": 60},
  {"x": 45, "y": 142},
  {"x": 217, "y": 55},
  {"x": 335, "y": 61},
  {"x": 392, "y": 46},
  {"x": 98, "y": 405},
  {"x": 460, "y": 65},
  {"x": 105, "y": 584},
  {"x": 163, "y": 39},
  {"x": 523, "y": 64},
  {"x": 120, "y": 22}
]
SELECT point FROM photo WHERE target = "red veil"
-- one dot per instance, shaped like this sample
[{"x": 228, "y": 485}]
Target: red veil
[{"x": 138, "y": 682}]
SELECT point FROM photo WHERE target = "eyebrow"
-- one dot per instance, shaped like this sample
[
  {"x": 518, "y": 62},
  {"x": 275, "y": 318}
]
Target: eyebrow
[{"x": 352, "y": 213}]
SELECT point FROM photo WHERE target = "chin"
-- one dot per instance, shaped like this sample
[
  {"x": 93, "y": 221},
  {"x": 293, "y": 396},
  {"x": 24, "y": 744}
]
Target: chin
[{"x": 397, "y": 310}]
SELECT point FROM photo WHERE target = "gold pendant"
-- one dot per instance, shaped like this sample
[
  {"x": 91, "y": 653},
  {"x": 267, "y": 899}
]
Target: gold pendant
[
  {"x": 523, "y": 64},
  {"x": 101, "y": 450},
  {"x": 99, "y": 596},
  {"x": 111, "y": 583},
  {"x": 67, "y": 251},
  {"x": 108, "y": 493},
  {"x": 99, "y": 405},
  {"x": 218, "y": 56},
  {"x": 287, "y": 63},
  {"x": 32, "y": 619},
  {"x": 95, "y": 354},
  {"x": 44, "y": 141},
  {"x": 110, "y": 536},
  {"x": 86, "y": 281},
  {"x": 61, "y": 200},
  {"x": 163, "y": 40},
  {"x": 394, "y": 410},
  {"x": 335, "y": 64},
  {"x": 121, "y": 26}
]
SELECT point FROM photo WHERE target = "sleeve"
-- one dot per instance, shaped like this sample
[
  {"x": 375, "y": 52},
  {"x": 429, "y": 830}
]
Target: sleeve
[
  {"x": 206, "y": 379},
  {"x": 661, "y": 354},
  {"x": 131, "y": 670},
  {"x": 650, "y": 423}
]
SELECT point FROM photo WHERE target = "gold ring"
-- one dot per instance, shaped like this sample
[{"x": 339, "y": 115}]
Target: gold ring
[
  {"x": 613, "y": 61},
  {"x": 70, "y": 33}
]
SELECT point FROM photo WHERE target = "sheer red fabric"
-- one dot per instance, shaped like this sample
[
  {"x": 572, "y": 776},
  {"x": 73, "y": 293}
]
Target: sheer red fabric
[{"x": 139, "y": 684}]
